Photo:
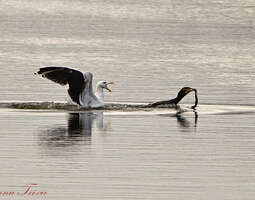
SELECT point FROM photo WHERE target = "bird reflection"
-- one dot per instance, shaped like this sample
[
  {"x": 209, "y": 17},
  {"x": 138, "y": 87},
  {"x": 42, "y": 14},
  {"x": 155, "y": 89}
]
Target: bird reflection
[
  {"x": 183, "y": 122},
  {"x": 78, "y": 130},
  {"x": 80, "y": 124}
]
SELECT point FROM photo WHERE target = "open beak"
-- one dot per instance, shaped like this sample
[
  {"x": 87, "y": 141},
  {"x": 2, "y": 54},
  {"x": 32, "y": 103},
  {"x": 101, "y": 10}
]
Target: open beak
[{"x": 110, "y": 83}]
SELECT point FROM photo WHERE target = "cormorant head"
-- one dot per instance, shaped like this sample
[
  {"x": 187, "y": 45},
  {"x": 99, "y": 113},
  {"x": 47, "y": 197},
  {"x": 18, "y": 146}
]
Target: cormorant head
[
  {"x": 104, "y": 85},
  {"x": 184, "y": 91}
]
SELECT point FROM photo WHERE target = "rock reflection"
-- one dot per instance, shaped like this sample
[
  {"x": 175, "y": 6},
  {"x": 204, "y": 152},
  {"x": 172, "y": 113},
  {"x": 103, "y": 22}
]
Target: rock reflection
[{"x": 78, "y": 130}]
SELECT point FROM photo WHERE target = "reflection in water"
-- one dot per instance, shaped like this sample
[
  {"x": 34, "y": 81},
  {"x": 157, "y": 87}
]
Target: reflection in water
[
  {"x": 183, "y": 122},
  {"x": 78, "y": 129},
  {"x": 80, "y": 126}
]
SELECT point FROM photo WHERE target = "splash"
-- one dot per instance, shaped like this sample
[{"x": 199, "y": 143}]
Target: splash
[{"x": 72, "y": 107}]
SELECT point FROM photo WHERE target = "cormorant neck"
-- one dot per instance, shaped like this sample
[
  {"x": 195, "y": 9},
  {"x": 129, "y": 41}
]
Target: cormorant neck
[{"x": 177, "y": 99}]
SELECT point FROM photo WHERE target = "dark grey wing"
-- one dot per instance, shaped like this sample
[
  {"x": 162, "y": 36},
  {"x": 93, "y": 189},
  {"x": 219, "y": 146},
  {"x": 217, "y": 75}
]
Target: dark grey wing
[{"x": 63, "y": 76}]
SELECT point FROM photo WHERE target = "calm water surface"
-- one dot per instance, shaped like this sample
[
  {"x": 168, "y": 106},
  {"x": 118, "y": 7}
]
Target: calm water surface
[
  {"x": 150, "y": 49},
  {"x": 113, "y": 156}
]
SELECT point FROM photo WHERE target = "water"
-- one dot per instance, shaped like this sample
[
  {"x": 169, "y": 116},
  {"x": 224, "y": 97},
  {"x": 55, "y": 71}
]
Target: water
[{"x": 150, "y": 49}]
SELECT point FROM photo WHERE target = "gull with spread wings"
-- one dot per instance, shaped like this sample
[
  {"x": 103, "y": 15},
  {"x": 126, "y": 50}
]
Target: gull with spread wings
[{"x": 80, "y": 85}]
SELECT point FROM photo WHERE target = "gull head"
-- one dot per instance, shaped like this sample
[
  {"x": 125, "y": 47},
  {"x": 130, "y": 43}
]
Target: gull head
[{"x": 104, "y": 85}]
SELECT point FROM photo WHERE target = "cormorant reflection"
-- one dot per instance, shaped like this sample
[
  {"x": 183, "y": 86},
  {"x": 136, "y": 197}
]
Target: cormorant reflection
[
  {"x": 78, "y": 129},
  {"x": 184, "y": 123}
]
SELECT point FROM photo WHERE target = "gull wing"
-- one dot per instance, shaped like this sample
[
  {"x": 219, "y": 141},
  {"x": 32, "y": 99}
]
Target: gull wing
[{"x": 64, "y": 76}]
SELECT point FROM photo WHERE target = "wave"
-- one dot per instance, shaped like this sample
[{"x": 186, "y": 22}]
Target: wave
[
  {"x": 72, "y": 107},
  {"x": 117, "y": 108}
]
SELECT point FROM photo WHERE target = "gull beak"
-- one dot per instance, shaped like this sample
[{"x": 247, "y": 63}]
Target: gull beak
[{"x": 110, "y": 83}]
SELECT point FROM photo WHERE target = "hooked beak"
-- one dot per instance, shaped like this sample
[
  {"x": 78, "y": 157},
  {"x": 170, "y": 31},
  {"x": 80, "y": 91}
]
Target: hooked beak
[
  {"x": 190, "y": 90},
  {"x": 194, "y": 89},
  {"x": 110, "y": 83}
]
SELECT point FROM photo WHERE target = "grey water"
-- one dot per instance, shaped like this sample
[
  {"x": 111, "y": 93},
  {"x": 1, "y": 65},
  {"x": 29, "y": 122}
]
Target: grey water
[{"x": 150, "y": 49}]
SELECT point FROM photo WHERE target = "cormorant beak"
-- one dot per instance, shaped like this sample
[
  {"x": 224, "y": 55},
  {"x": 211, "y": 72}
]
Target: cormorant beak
[
  {"x": 189, "y": 90},
  {"x": 107, "y": 85},
  {"x": 194, "y": 89}
]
